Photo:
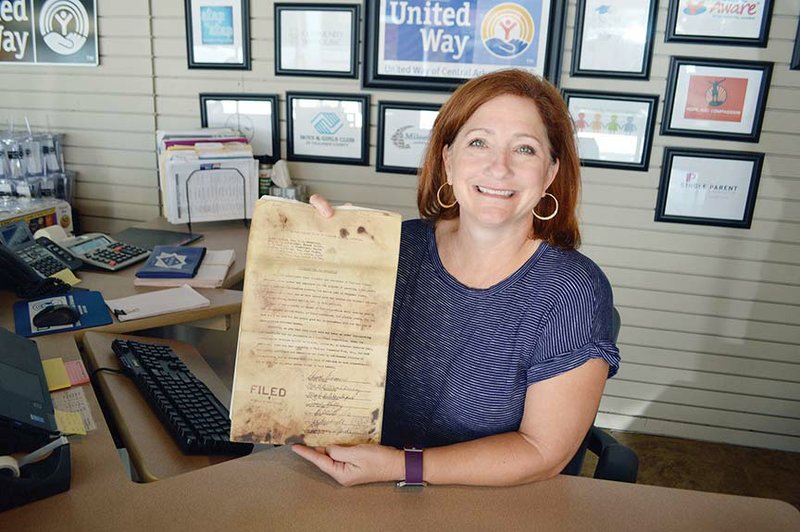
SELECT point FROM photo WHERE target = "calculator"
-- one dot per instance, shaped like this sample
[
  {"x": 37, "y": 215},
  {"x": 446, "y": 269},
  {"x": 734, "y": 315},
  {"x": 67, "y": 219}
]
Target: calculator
[{"x": 102, "y": 251}]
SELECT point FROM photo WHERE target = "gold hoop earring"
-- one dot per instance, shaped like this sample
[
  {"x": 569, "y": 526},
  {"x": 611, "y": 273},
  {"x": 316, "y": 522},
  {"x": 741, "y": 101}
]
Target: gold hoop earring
[
  {"x": 439, "y": 199},
  {"x": 554, "y": 212}
]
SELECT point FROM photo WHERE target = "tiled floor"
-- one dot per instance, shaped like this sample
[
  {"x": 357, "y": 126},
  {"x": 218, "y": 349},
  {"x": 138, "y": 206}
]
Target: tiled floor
[{"x": 705, "y": 466}]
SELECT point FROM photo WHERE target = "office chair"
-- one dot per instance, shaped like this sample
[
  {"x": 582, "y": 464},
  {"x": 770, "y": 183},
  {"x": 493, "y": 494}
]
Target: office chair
[{"x": 614, "y": 460}]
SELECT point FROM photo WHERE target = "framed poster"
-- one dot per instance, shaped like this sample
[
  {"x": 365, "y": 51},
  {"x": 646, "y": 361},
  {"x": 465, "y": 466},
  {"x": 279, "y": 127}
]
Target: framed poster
[
  {"x": 715, "y": 98},
  {"x": 255, "y": 116},
  {"x": 316, "y": 40},
  {"x": 736, "y": 23},
  {"x": 423, "y": 45},
  {"x": 614, "y": 38},
  {"x": 708, "y": 187},
  {"x": 795, "y": 62},
  {"x": 328, "y": 128},
  {"x": 403, "y": 133},
  {"x": 218, "y": 34},
  {"x": 614, "y": 130}
]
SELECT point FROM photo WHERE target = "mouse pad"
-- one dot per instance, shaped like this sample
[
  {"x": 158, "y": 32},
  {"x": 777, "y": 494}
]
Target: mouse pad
[{"x": 89, "y": 304}]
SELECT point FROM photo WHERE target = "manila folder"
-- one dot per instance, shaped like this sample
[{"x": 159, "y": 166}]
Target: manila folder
[{"x": 314, "y": 330}]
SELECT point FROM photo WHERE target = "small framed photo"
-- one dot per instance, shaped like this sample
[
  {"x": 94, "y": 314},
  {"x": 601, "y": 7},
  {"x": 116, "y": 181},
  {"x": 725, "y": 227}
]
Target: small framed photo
[
  {"x": 218, "y": 34},
  {"x": 255, "y": 116},
  {"x": 614, "y": 38},
  {"x": 423, "y": 45},
  {"x": 715, "y": 98},
  {"x": 329, "y": 128},
  {"x": 403, "y": 132},
  {"x": 316, "y": 40},
  {"x": 614, "y": 130},
  {"x": 728, "y": 23},
  {"x": 795, "y": 63},
  {"x": 708, "y": 187}
]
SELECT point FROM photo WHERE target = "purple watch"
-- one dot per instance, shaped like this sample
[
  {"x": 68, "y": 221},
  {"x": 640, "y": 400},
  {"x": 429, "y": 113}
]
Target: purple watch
[{"x": 413, "y": 468}]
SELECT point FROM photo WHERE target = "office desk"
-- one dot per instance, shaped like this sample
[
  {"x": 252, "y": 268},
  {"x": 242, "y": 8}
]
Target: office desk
[
  {"x": 275, "y": 490},
  {"x": 217, "y": 235},
  {"x": 153, "y": 453}
]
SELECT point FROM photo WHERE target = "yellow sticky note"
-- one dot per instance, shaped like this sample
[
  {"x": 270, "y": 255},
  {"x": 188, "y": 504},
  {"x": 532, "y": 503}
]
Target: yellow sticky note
[
  {"x": 67, "y": 276},
  {"x": 70, "y": 422},
  {"x": 56, "y": 374}
]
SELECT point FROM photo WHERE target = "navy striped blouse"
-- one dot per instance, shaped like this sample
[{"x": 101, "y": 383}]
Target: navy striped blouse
[{"x": 461, "y": 359}]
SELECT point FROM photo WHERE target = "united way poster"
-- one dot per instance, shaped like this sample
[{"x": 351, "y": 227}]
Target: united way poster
[
  {"x": 460, "y": 39},
  {"x": 60, "y": 32}
]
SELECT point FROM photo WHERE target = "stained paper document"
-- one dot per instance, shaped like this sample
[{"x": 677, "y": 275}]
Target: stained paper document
[{"x": 314, "y": 333}]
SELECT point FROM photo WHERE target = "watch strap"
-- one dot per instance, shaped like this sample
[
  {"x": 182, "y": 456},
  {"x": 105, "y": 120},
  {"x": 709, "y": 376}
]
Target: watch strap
[{"x": 413, "y": 458}]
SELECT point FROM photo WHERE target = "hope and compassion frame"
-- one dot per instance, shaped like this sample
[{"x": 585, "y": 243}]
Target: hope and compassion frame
[
  {"x": 708, "y": 187},
  {"x": 416, "y": 45},
  {"x": 317, "y": 40},
  {"x": 403, "y": 132},
  {"x": 717, "y": 99},
  {"x": 614, "y": 130},
  {"x": 218, "y": 34},
  {"x": 603, "y": 46},
  {"x": 726, "y": 23},
  {"x": 255, "y": 116},
  {"x": 327, "y": 128}
]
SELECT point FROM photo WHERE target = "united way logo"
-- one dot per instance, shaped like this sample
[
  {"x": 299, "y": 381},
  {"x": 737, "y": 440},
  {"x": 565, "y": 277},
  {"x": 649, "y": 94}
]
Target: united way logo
[
  {"x": 327, "y": 123},
  {"x": 694, "y": 8},
  {"x": 64, "y": 25},
  {"x": 507, "y": 30}
]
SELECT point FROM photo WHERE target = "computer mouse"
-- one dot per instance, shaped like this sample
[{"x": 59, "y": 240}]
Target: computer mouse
[{"x": 55, "y": 315}]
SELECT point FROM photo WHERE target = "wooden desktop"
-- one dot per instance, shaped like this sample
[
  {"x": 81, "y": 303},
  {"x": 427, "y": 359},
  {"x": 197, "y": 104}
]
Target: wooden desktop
[{"x": 274, "y": 489}]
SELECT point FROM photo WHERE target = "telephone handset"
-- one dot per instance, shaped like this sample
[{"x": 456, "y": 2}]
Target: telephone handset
[{"x": 18, "y": 276}]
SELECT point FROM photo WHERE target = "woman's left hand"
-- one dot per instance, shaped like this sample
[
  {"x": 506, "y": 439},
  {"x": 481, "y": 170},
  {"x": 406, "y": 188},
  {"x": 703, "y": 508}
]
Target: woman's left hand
[{"x": 358, "y": 464}]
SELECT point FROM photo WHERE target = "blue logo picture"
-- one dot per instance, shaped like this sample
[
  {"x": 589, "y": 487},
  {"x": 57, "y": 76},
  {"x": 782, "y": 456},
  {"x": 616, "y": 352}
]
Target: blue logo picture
[
  {"x": 327, "y": 123},
  {"x": 216, "y": 23}
]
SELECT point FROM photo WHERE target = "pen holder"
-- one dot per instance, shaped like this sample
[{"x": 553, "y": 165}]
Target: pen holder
[{"x": 38, "y": 480}]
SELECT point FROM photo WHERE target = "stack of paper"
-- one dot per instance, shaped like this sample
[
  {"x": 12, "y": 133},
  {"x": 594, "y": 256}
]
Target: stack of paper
[
  {"x": 206, "y": 175},
  {"x": 211, "y": 273},
  {"x": 157, "y": 303}
]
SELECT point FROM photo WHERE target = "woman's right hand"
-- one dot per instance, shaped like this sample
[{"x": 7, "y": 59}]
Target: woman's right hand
[{"x": 321, "y": 204}]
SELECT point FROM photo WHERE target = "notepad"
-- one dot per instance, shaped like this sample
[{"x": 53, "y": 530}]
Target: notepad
[
  {"x": 56, "y": 374},
  {"x": 157, "y": 303}
]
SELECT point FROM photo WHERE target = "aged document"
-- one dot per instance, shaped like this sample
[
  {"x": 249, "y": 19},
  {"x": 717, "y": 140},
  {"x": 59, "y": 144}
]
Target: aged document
[{"x": 314, "y": 332}]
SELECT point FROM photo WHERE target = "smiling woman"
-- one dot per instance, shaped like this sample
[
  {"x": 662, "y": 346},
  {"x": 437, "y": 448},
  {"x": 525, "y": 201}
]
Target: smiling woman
[{"x": 501, "y": 332}]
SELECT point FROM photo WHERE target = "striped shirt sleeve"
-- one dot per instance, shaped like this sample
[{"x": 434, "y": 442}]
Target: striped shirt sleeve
[{"x": 578, "y": 326}]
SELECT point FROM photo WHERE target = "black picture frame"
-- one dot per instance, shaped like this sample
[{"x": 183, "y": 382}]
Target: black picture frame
[
  {"x": 647, "y": 52},
  {"x": 672, "y": 34},
  {"x": 720, "y": 183},
  {"x": 552, "y": 45},
  {"x": 795, "y": 62},
  {"x": 740, "y": 101},
  {"x": 220, "y": 55},
  {"x": 593, "y": 136},
  {"x": 281, "y": 61},
  {"x": 406, "y": 138},
  {"x": 324, "y": 135},
  {"x": 264, "y": 140}
]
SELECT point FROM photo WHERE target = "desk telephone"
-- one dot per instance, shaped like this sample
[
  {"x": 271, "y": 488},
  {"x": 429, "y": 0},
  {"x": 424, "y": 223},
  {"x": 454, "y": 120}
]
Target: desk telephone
[{"x": 26, "y": 264}]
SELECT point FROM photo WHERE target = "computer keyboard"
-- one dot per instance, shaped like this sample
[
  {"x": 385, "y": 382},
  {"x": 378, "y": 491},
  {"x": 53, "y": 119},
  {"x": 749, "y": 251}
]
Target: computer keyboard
[{"x": 195, "y": 418}]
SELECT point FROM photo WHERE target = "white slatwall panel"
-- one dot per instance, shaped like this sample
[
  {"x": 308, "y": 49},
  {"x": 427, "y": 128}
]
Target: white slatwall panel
[
  {"x": 711, "y": 324},
  {"x": 711, "y": 318}
]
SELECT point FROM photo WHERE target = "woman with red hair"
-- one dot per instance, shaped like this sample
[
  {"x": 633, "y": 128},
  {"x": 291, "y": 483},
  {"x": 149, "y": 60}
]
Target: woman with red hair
[{"x": 501, "y": 331}]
